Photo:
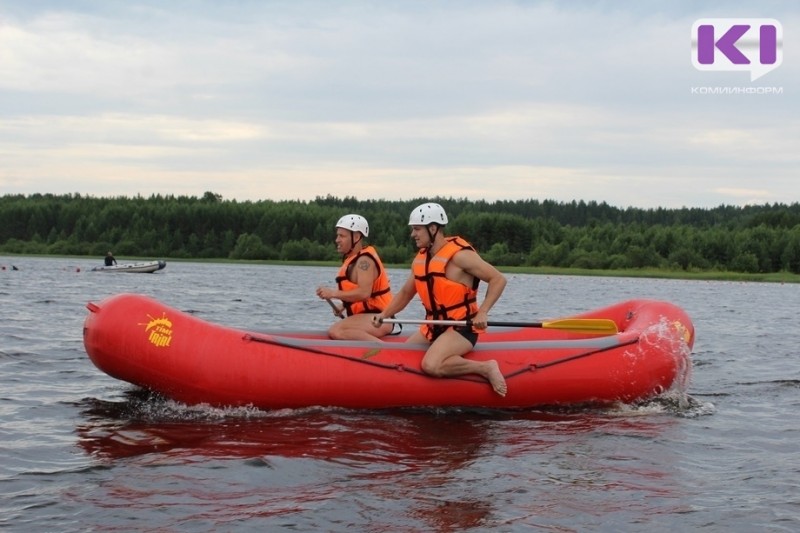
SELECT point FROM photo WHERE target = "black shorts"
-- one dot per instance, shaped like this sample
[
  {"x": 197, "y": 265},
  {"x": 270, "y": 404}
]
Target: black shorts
[{"x": 464, "y": 331}]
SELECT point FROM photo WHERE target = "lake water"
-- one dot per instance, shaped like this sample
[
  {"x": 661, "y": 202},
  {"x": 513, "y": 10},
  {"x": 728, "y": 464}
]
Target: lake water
[{"x": 80, "y": 451}]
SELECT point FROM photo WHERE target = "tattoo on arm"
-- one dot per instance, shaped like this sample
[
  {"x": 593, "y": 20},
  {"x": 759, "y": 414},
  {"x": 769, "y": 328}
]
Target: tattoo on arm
[{"x": 363, "y": 264}]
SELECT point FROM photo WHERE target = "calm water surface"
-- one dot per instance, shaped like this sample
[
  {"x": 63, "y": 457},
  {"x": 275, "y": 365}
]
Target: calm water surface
[{"x": 80, "y": 451}]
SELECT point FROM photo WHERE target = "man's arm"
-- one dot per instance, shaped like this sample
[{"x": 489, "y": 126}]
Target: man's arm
[
  {"x": 401, "y": 299},
  {"x": 473, "y": 264}
]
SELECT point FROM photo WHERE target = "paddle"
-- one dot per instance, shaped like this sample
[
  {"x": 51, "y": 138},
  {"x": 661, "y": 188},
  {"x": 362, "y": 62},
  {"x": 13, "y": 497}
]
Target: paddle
[
  {"x": 602, "y": 326},
  {"x": 337, "y": 310}
]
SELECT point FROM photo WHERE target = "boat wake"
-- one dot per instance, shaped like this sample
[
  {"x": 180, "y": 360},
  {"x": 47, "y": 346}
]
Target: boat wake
[
  {"x": 141, "y": 405},
  {"x": 680, "y": 405}
]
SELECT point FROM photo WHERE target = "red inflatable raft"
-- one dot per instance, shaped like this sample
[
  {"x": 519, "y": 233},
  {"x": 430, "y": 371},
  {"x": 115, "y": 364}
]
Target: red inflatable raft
[{"x": 144, "y": 342}]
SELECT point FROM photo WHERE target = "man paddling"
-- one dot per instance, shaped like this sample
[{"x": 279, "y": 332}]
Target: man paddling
[
  {"x": 445, "y": 275},
  {"x": 362, "y": 283}
]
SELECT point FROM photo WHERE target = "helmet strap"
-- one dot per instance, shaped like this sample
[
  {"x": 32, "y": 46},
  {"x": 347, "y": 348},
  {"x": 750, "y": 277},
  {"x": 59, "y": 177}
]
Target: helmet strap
[
  {"x": 431, "y": 235},
  {"x": 353, "y": 243}
]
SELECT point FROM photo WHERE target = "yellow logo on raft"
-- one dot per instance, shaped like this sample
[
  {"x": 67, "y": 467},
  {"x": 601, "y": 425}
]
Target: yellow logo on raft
[
  {"x": 160, "y": 330},
  {"x": 683, "y": 331}
]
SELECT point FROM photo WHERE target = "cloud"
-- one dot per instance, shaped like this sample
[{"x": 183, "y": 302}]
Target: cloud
[{"x": 501, "y": 100}]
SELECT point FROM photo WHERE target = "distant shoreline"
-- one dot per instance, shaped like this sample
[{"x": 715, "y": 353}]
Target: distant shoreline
[{"x": 773, "y": 277}]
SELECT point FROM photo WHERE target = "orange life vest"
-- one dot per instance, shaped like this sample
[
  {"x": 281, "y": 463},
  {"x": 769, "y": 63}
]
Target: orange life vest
[
  {"x": 381, "y": 291},
  {"x": 443, "y": 298}
]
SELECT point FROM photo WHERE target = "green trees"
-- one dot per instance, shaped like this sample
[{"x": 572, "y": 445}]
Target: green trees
[{"x": 753, "y": 239}]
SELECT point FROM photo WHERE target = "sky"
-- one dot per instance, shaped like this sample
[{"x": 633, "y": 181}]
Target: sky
[{"x": 495, "y": 100}]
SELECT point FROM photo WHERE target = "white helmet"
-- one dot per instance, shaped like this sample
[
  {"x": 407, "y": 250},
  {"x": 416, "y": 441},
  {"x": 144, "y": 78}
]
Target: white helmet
[
  {"x": 354, "y": 223},
  {"x": 429, "y": 213}
]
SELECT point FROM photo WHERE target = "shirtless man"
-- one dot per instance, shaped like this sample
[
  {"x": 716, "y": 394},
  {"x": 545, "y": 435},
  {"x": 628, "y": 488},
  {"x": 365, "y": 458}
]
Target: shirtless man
[
  {"x": 445, "y": 274},
  {"x": 362, "y": 283}
]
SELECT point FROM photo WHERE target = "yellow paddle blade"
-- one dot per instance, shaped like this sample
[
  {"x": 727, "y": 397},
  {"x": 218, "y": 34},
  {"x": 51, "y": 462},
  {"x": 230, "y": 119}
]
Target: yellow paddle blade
[{"x": 602, "y": 326}]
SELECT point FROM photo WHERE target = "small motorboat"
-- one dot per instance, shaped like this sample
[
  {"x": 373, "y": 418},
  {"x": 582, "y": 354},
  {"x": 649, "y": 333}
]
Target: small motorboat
[{"x": 139, "y": 268}]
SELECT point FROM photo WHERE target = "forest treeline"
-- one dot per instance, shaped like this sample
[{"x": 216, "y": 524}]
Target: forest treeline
[{"x": 587, "y": 235}]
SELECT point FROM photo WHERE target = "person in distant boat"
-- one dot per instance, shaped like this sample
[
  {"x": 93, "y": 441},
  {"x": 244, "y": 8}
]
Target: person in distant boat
[
  {"x": 445, "y": 275},
  {"x": 362, "y": 284},
  {"x": 110, "y": 259}
]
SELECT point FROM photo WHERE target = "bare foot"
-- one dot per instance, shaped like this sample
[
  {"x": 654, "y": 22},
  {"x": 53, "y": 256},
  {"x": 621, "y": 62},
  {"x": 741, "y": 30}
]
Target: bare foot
[{"x": 496, "y": 379}]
